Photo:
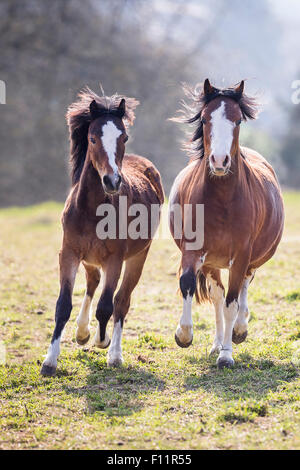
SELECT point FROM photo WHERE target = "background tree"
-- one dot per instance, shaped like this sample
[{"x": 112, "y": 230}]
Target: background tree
[
  {"x": 51, "y": 49},
  {"x": 290, "y": 150}
]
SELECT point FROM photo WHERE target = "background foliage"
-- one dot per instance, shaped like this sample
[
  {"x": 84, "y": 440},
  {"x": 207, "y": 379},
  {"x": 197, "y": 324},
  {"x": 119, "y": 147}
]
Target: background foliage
[{"x": 50, "y": 49}]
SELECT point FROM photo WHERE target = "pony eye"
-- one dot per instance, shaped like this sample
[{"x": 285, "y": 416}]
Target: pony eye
[
  {"x": 92, "y": 140},
  {"x": 125, "y": 138},
  {"x": 238, "y": 122},
  {"x": 203, "y": 120}
]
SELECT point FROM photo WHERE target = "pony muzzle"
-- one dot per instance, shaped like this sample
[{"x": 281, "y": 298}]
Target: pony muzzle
[
  {"x": 112, "y": 183},
  {"x": 219, "y": 165}
]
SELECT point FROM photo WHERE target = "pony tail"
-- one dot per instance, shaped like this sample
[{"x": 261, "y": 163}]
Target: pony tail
[{"x": 201, "y": 292}]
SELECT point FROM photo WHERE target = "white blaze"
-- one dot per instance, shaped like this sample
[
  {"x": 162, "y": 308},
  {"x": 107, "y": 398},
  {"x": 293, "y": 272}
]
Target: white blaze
[
  {"x": 221, "y": 134},
  {"x": 109, "y": 141}
]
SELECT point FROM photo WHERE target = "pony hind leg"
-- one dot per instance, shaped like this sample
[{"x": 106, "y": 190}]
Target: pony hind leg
[
  {"x": 216, "y": 294},
  {"x": 92, "y": 281},
  {"x": 132, "y": 274},
  {"x": 69, "y": 263},
  {"x": 240, "y": 329}
]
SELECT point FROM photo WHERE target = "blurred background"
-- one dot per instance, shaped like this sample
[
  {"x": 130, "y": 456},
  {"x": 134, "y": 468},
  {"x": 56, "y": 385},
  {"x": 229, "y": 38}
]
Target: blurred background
[{"x": 51, "y": 49}]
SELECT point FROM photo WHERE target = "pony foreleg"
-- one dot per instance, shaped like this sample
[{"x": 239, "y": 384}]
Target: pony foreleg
[
  {"x": 184, "y": 331},
  {"x": 132, "y": 274},
  {"x": 236, "y": 276},
  {"x": 230, "y": 313},
  {"x": 68, "y": 268},
  {"x": 216, "y": 293},
  {"x": 112, "y": 271},
  {"x": 83, "y": 319},
  {"x": 240, "y": 329}
]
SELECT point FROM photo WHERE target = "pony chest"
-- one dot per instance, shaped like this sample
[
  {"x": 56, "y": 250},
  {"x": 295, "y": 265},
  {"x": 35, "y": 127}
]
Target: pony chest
[
  {"x": 218, "y": 221},
  {"x": 219, "y": 236}
]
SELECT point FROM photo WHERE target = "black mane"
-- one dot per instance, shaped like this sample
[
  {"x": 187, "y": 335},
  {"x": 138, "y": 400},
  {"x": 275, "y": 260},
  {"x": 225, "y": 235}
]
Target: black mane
[{"x": 191, "y": 112}]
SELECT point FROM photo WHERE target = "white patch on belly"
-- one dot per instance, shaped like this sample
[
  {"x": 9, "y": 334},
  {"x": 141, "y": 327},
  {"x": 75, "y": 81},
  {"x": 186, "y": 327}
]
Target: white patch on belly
[
  {"x": 221, "y": 133},
  {"x": 109, "y": 142},
  {"x": 177, "y": 181},
  {"x": 176, "y": 184}
]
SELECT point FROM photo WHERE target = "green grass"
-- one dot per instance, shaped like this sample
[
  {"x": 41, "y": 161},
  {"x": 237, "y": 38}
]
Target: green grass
[{"x": 164, "y": 397}]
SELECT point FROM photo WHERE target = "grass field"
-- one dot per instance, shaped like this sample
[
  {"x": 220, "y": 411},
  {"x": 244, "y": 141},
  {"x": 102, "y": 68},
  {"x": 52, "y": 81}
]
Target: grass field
[{"x": 164, "y": 397}]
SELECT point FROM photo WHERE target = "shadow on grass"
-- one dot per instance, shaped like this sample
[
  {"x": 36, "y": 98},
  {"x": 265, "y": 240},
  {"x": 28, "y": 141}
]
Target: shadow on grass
[
  {"x": 114, "y": 391},
  {"x": 250, "y": 378}
]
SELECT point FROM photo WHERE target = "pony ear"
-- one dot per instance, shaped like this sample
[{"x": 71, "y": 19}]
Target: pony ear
[
  {"x": 94, "y": 110},
  {"x": 207, "y": 88},
  {"x": 121, "y": 108},
  {"x": 240, "y": 88}
]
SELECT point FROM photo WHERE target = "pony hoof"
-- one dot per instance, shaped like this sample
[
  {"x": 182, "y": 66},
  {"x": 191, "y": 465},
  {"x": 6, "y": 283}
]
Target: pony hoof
[
  {"x": 237, "y": 339},
  {"x": 115, "y": 362},
  {"x": 48, "y": 371},
  {"x": 225, "y": 363},
  {"x": 103, "y": 344},
  {"x": 82, "y": 342},
  {"x": 182, "y": 345}
]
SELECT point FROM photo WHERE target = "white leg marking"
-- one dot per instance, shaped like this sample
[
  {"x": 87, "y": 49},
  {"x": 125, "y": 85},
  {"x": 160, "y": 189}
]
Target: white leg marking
[
  {"x": 101, "y": 344},
  {"x": 241, "y": 323},
  {"x": 217, "y": 297},
  {"x": 83, "y": 318},
  {"x": 53, "y": 353},
  {"x": 115, "y": 350},
  {"x": 184, "y": 330},
  {"x": 230, "y": 314}
]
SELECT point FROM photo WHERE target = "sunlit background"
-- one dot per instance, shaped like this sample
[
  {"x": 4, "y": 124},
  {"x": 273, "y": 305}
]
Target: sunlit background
[{"x": 143, "y": 48}]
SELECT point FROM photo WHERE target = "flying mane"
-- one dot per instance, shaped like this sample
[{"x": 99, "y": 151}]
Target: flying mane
[
  {"x": 191, "y": 113},
  {"x": 79, "y": 118}
]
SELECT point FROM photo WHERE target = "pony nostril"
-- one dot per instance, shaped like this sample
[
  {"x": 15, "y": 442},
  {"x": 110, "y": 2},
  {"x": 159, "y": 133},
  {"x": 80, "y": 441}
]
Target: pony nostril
[
  {"x": 106, "y": 179},
  {"x": 213, "y": 158},
  {"x": 107, "y": 182},
  {"x": 111, "y": 183},
  {"x": 226, "y": 161}
]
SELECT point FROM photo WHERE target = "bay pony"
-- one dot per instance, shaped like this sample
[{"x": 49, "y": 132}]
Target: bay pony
[
  {"x": 243, "y": 214},
  {"x": 101, "y": 174}
]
